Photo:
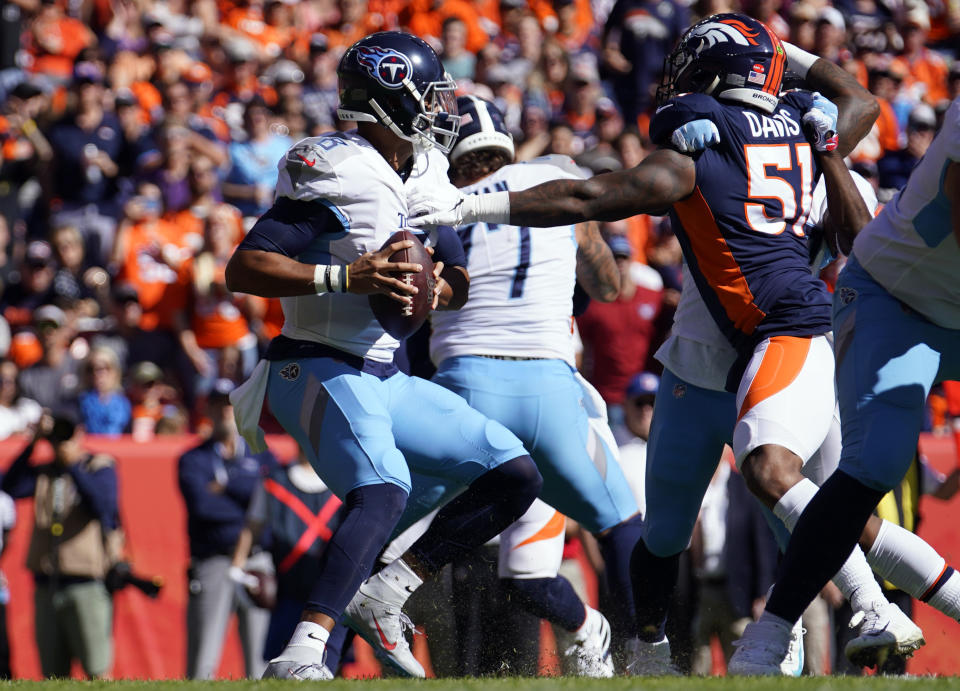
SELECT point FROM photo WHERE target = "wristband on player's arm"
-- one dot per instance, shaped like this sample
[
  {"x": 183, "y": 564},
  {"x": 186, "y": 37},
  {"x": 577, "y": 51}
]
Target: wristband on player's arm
[
  {"x": 330, "y": 278},
  {"x": 799, "y": 60},
  {"x": 492, "y": 207}
]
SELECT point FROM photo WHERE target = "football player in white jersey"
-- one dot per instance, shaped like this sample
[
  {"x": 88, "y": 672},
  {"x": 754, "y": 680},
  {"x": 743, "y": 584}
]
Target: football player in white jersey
[
  {"x": 330, "y": 378},
  {"x": 896, "y": 316},
  {"x": 509, "y": 353}
]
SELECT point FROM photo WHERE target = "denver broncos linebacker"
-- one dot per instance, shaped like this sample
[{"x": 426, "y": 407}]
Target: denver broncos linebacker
[
  {"x": 330, "y": 377},
  {"x": 896, "y": 313},
  {"x": 739, "y": 210}
]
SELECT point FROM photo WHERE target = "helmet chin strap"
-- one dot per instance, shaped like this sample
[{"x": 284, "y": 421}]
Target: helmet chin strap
[{"x": 713, "y": 86}]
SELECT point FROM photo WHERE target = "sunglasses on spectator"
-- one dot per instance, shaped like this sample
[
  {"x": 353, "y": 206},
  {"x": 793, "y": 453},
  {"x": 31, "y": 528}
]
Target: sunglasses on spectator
[{"x": 641, "y": 401}]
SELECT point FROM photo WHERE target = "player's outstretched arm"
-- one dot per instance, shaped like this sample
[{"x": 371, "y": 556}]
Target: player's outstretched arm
[
  {"x": 664, "y": 177},
  {"x": 848, "y": 212},
  {"x": 596, "y": 268},
  {"x": 858, "y": 108}
]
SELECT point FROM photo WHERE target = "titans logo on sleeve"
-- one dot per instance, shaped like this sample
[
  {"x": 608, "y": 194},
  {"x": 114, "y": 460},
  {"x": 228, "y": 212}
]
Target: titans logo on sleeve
[
  {"x": 742, "y": 229},
  {"x": 387, "y": 66}
]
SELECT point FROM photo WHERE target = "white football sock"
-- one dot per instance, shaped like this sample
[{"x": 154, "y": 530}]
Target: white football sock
[
  {"x": 306, "y": 644},
  {"x": 590, "y": 622},
  {"x": 855, "y": 579},
  {"x": 905, "y": 560},
  {"x": 395, "y": 583}
]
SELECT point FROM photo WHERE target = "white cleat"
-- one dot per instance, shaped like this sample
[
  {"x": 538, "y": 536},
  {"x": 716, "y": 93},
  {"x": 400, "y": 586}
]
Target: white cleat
[
  {"x": 886, "y": 631},
  {"x": 650, "y": 659},
  {"x": 294, "y": 669},
  {"x": 383, "y": 626},
  {"x": 792, "y": 665},
  {"x": 589, "y": 655},
  {"x": 761, "y": 651}
]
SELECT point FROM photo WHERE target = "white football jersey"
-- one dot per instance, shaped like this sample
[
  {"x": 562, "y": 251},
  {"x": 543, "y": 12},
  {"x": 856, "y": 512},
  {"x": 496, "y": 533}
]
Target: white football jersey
[
  {"x": 521, "y": 282},
  {"x": 346, "y": 174},
  {"x": 909, "y": 248}
]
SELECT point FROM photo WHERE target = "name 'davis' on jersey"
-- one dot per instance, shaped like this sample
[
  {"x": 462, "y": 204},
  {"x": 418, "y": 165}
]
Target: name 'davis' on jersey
[{"x": 780, "y": 124}]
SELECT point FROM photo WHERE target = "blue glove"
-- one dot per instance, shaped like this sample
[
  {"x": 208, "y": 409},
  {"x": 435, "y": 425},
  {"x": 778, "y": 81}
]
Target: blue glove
[
  {"x": 695, "y": 136},
  {"x": 820, "y": 123}
]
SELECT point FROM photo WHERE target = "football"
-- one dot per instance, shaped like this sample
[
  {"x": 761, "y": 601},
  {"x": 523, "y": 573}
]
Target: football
[{"x": 400, "y": 320}]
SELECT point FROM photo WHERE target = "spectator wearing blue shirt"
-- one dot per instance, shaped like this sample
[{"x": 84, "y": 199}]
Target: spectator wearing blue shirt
[
  {"x": 217, "y": 480},
  {"x": 253, "y": 176},
  {"x": 637, "y": 37},
  {"x": 75, "y": 528},
  {"x": 103, "y": 406}
]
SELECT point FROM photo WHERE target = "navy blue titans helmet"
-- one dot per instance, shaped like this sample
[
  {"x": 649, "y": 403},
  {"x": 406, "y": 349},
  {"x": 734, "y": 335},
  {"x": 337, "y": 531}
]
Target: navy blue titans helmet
[
  {"x": 728, "y": 56},
  {"x": 395, "y": 79},
  {"x": 481, "y": 127}
]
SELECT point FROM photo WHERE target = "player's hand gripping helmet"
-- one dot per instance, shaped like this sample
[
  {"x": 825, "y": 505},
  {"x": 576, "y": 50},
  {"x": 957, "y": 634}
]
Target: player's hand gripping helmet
[
  {"x": 481, "y": 127},
  {"x": 395, "y": 79},
  {"x": 728, "y": 56}
]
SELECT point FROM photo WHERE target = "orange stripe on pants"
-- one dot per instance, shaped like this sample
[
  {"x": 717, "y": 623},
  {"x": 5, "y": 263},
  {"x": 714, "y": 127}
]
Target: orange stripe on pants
[
  {"x": 552, "y": 528},
  {"x": 781, "y": 364}
]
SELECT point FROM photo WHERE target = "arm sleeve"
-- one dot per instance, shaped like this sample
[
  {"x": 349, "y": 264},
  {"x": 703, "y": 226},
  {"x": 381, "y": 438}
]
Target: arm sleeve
[
  {"x": 98, "y": 490},
  {"x": 448, "y": 248},
  {"x": 20, "y": 480},
  {"x": 290, "y": 226}
]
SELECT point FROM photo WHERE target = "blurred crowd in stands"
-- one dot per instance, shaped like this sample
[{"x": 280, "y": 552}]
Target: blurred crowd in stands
[{"x": 139, "y": 140}]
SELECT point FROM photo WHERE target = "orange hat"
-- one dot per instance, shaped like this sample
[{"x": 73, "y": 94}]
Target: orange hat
[
  {"x": 198, "y": 73},
  {"x": 25, "y": 349}
]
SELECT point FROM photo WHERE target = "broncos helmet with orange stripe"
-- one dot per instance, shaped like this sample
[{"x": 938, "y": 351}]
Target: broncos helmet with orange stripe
[{"x": 728, "y": 56}]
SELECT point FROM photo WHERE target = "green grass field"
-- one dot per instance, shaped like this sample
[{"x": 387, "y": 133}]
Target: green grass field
[{"x": 541, "y": 684}]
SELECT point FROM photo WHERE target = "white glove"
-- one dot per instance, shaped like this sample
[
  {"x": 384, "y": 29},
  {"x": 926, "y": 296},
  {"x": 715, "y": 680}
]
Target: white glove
[
  {"x": 241, "y": 577},
  {"x": 433, "y": 198},
  {"x": 493, "y": 207},
  {"x": 695, "y": 136},
  {"x": 820, "y": 123}
]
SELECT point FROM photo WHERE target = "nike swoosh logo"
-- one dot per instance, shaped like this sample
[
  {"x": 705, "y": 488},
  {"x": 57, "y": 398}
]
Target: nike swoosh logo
[
  {"x": 316, "y": 638},
  {"x": 410, "y": 590},
  {"x": 309, "y": 163},
  {"x": 383, "y": 639}
]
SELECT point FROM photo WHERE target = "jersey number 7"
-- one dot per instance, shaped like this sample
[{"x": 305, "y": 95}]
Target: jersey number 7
[{"x": 784, "y": 173}]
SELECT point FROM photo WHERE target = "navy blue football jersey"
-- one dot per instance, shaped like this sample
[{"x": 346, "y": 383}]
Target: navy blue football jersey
[{"x": 742, "y": 229}]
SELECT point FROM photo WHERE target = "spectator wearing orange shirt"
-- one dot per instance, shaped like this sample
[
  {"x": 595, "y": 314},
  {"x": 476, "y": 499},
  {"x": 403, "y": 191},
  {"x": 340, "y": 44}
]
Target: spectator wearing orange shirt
[
  {"x": 55, "y": 41},
  {"x": 215, "y": 319},
  {"x": 575, "y": 25},
  {"x": 149, "y": 252},
  {"x": 356, "y": 21},
  {"x": 926, "y": 72},
  {"x": 425, "y": 18},
  {"x": 268, "y": 24}
]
